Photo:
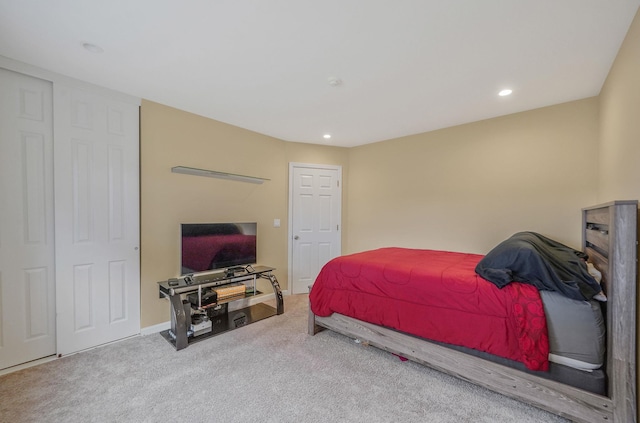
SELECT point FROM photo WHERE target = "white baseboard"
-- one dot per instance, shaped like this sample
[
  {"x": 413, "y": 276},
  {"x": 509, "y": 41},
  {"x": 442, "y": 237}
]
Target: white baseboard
[{"x": 150, "y": 330}]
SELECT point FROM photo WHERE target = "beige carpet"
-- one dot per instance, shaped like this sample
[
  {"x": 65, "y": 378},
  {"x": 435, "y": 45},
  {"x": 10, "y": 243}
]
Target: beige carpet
[{"x": 269, "y": 371}]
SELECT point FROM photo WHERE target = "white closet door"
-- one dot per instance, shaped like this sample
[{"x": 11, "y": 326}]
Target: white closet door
[
  {"x": 27, "y": 284},
  {"x": 97, "y": 218}
]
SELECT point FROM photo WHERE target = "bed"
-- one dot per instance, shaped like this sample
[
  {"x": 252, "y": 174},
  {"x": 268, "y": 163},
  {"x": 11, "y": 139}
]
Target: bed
[{"x": 513, "y": 346}]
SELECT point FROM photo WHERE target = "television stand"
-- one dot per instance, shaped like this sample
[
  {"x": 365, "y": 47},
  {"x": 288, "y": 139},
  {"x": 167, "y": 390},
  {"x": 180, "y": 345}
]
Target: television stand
[{"x": 221, "y": 319}]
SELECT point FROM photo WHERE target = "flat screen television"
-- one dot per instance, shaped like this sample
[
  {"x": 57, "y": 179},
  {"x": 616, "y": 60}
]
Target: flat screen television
[{"x": 209, "y": 246}]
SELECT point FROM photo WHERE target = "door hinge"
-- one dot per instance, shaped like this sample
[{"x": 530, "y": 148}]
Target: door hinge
[
  {"x": 337, "y": 227},
  {"x": 338, "y": 183}
]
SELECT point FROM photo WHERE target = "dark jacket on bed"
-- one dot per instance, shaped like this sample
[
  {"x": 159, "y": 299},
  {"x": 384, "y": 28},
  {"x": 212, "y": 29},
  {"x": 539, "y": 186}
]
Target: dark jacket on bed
[{"x": 534, "y": 259}]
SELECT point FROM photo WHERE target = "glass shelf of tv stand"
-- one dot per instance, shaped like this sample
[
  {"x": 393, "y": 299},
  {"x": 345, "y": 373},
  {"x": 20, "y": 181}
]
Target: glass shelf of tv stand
[
  {"x": 209, "y": 279},
  {"x": 228, "y": 320}
]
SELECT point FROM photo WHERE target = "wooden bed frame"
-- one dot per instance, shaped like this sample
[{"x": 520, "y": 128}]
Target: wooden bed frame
[{"x": 610, "y": 239}]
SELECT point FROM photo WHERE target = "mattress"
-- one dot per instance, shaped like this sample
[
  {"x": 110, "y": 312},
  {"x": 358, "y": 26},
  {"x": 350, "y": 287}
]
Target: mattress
[{"x": 577, "y": 331}]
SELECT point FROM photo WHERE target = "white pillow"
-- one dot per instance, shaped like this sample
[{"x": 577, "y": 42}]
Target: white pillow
[{"x": 597, "y": 275}]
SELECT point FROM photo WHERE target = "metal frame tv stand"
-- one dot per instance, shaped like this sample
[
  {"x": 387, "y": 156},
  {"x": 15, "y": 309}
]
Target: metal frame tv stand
[{"x": 174, "y": 289}]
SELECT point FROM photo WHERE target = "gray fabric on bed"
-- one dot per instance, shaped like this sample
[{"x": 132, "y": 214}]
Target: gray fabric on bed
[
  {"x": 534, "y": 259},
  {"x": 576, "y": 328}
]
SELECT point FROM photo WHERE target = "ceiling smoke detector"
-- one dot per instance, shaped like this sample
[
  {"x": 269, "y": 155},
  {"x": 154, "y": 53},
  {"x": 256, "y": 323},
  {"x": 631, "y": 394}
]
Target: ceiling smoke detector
[
  {"x": 334, "y": 82},
  {"x": 92, "y": 48}
]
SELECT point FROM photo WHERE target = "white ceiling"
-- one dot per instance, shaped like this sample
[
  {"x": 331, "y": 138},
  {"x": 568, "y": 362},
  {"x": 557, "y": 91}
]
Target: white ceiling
[{"x": 407, "y": 66}]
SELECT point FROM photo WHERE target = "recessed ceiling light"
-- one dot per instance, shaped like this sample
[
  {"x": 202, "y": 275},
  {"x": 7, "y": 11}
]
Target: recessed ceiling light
[
  {"x": 505, "y": 92},
  {"x": 326, "y": 136},
  {"x": 92, "y": 48}
]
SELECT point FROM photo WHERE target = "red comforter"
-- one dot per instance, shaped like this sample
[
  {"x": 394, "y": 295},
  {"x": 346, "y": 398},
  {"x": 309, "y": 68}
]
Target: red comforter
[{"x": 436, "y": 295}]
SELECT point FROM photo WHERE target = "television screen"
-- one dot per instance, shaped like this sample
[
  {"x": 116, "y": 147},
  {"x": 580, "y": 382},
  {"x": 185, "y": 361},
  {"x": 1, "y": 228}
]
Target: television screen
[{"x": 208, "y": 246}]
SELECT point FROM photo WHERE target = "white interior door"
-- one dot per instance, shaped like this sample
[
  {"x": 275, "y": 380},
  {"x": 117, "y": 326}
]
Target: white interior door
[
  {"x": 27, "y": 273},
  {"x": 97, "y": 218},
  {"x": 315, "y": 209}
]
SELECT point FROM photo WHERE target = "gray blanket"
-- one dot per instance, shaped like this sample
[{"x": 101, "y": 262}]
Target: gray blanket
[{"x": 547, "y": 264}]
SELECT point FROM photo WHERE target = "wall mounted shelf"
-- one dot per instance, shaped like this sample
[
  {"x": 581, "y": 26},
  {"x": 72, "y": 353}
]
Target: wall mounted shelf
[{"x": 216, "y": 174}]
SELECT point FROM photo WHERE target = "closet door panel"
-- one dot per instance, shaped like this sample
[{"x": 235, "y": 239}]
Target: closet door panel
[
  {"x": 27, "y": 281},
  {"x": 97, "y": 218}
]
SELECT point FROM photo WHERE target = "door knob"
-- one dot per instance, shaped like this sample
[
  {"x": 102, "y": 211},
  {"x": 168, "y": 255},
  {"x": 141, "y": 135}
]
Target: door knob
[{"x": 296, "y": 237}]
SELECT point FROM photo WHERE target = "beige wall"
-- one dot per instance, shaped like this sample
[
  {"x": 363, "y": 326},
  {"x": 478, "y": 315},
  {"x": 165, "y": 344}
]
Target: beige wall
[
  {"x": 620, "y": 130},
  {"x": 468, "y": 187},
  {"x": 619, "y": 154},
  {"x": 170, "y": 137},
  {"x": 463, "y": 188}
]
